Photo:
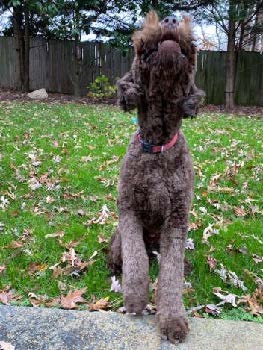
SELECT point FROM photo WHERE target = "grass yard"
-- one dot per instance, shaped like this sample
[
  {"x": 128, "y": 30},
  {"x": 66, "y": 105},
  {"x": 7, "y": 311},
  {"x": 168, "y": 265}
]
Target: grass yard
[{"x": 59, "y": 167}]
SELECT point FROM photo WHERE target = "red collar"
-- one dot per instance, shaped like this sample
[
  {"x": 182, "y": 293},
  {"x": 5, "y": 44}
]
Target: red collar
[{"x": 150, "y": 148}]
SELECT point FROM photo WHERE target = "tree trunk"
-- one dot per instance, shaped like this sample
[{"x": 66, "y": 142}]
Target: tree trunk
[
  {"x": 241, "y": 38},
  {"x": 21, "y": 33},
  {"x": 26, "y": 52},
  {"x": 230, "y": 61},
  {"x": 77, "y": 54},
  {"x": 77, "y": 67},
  {"x": 20, "y": 48},
  {"x": 257, "y": 39}
]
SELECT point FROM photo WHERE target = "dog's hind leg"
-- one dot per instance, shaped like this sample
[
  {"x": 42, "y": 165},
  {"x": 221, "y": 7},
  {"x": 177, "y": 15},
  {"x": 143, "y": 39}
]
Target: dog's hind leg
[
  {"x": 115, "y": 257},
  {"x": 135, "y": 263}
]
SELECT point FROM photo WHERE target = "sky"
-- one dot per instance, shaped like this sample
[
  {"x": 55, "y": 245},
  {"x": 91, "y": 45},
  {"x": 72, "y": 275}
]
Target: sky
[{"x": 209, "y": 30}]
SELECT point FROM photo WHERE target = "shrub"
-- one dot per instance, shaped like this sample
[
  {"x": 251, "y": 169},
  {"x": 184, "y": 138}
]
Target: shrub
[{"x": 102, "y": 88}]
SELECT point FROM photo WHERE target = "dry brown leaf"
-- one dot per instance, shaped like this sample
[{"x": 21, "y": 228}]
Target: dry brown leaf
[
  {"x": 239, "y": 211},
  {"x": 73, "y": 195},
  {"x": 72, "y": 298},
  {"x": 212, "y": 262},
  {"x": 194, "y": 225},
  {"x": 214, "y": 180},
  {"x": 36, "y": 267},
  {"x": 221, "y": 189},
  {"x": 37, "y": 300},
  {"x": 53, "y": 302},
  {"x": 70, "y": 244},
  {"x": 110, "y": 197},
  {"x": 69, "y": 256},
  {"x": 102, "y": 239},
  {"x": 15, "y": 245},
  {"x": 59, "y": 234},
  {"x": 82, "y": 212},
  {"x": 2, "y": 268},
  {"x": 254, "y": 302},
  {"x": 7, "y": 295},
  {"x": 57, "y": 271},
  {"x": 101, "y": 304}
]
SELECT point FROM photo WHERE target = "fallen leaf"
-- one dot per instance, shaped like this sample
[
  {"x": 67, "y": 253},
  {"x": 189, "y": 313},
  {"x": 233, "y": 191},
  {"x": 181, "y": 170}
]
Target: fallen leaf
[
  {"x": 258, "y": 259},
  {"x": 101, "y": 304},
  {"x": 7, "y": 295},
  {"x": 219, "y": 189},
  {"x": 69, "y": 256},
  {"x": 189, "y": 244},
  {"x": 212, "y": 262},
  {"x": 230, "y": 277},
  {"x": 103, "y": 216},
  {"x": 70, "y": 244},
  {"x": 36, "y": 267},
  {"x": 2, "y": 268},
  {"x": 254, "y": 277},
  {"x": 102, "y": 239},
  {"x": 72, "y": 298},
  {"x": 115, "y": 285},
  {"x": 37, "y": 300},
  {"x": 212, "y": 309},
  {"x": 209, "y": 231},
  {"x": 242, "y": 250},
  {"x": 225, "y": 297},
  {"x": 81, "y": 212},
  {"x": 73, "y": 195},
  {"x": 56, "y": 234},
  {"x": 194, "y": 226},
  {"x": 62, "y": 286},
  {"x": 15, "y": 245},
  {"x": 240, "y": 211},
  {"x": 86, "y": 159},
  {"x": 254, "y": 302}
]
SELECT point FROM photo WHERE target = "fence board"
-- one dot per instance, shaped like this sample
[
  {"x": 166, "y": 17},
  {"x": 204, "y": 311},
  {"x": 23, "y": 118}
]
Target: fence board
[
  {"x": 38, "y": 66},
  {"x": 52, "y": 67},
  {"x": 9, "y": 68}
]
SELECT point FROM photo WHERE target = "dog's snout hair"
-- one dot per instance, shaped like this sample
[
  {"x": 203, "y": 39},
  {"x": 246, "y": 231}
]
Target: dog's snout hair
[{"x": 170, "y": 22}]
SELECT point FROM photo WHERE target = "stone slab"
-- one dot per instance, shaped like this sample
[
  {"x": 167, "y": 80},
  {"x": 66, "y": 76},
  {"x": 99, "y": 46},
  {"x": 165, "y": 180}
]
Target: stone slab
[{"x": 29, "y": 328}]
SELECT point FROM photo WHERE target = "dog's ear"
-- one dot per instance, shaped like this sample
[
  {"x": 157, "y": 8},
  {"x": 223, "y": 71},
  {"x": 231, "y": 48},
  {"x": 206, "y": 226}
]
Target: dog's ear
[
  {"x": 151, "y": 20},
  {"x": 151, "y": 29},
  {"x": 185, "y": 28}
]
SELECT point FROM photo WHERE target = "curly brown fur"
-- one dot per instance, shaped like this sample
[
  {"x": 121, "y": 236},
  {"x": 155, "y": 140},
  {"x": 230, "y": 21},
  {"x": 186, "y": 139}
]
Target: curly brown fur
[
  {"x": 146, "y": 43},
  {"x": 155, "y": 189}
]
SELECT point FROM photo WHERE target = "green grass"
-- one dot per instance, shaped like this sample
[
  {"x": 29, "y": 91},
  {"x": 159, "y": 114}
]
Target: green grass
[{"x": 227, "y": 153}]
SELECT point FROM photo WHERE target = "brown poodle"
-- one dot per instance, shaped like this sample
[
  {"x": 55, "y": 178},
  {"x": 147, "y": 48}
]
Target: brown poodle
[{"x": 156, "y": 181}]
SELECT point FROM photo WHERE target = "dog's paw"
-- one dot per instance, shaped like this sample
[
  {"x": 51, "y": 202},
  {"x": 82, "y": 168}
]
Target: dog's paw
[
  {"x": 131, "y": 98},
  {"x": 173, "y": 328},
  {"x": 135, "y": 305}
]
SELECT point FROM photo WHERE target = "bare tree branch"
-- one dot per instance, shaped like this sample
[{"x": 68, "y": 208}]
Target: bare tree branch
[{"x": 217, "y": 13}]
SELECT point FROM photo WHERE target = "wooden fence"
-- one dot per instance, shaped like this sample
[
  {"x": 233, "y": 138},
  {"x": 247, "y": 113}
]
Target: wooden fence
[{"x": 52, "y": 67}]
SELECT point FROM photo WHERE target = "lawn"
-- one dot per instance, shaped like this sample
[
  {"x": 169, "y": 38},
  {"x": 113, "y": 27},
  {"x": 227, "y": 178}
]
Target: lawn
[{"x": 59, "y": 168}]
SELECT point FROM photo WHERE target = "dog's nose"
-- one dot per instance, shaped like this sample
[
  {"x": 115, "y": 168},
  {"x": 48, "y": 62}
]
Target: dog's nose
[{"x": 170, "y": 22}]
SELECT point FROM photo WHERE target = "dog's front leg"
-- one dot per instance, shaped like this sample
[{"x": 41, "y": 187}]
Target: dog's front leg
[
  {"x": 170, "y": 309},
  {"x": 135, "y": 263}
]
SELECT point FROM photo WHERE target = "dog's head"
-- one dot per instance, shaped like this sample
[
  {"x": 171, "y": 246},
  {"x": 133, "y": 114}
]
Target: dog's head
[{"x": 167, "y": 44}]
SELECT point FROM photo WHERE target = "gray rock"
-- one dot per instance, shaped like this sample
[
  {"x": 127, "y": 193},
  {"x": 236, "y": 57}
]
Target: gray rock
[
  {"x": 38, "y": 94},
  {"x": 55, "y": 329}
]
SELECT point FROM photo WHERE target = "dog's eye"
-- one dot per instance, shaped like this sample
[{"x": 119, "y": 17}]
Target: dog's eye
[
  {"x": 174, "y": 20},
  {"x": 166, "y": 20}
]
